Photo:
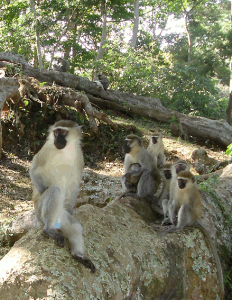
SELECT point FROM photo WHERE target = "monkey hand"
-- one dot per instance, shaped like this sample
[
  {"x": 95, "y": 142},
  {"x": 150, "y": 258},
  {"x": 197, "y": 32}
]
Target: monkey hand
[{"x": 85, "y": 261}]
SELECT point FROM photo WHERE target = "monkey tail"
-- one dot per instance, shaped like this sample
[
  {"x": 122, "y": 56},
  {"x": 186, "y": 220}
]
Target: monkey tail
[{"x": 210, "y": 242}]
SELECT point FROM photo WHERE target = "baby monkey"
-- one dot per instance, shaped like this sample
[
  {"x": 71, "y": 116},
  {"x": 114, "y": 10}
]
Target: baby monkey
[{"x": 141, "y": 184}]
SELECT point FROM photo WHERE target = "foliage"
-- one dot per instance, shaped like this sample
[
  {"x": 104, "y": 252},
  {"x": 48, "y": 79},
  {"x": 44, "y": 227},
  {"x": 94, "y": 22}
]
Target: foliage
[
  {"x": 229, "y": 150},
  {"x": 157, "y": 67},
  {"x": 182, "y": 88}
]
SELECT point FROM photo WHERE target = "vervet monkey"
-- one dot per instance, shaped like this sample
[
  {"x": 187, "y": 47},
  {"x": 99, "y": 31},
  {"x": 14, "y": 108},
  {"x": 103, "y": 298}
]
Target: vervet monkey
[
  {"x": 130, "y": 179},
  {"x": 136, "y": 153},
  {"x": 176, "y": 168},
  {"x": 104, "y": 81},
  {"x": 167, "y": 176},
  {"x": 144, "y": 170},
  {"x": 62, "y": 66},
  {"x": 180, "y": 165},
  {"x": 142, "y": 184},
  {"x": 56, "y": 172},
  {"x": 99, "y": 85},
  {"x": 156, "y": 149},
  {"x": 187, "y": 206}
]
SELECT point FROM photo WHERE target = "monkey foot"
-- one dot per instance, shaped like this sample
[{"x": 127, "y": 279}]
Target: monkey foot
[{"x": 85, "y": 261}]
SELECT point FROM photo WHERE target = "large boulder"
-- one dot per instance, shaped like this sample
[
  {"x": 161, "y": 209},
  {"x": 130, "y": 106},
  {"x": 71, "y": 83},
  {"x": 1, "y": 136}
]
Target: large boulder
[{"x": 132, "y": 260}]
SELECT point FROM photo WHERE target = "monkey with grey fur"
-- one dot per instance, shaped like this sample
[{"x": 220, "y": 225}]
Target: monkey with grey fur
[
  {"x": 56, "y": 172},
  {"x": 166, "y": 176},
  {"x": 156, "y": 149},
  {"x": 142, "y": 177},
  {"x": 180, "y": 165},
  {"x": 104, "y": 81},
  {"x": 99, "y": 85},
  {"x": 62, "y": 66},
  {"x": 185, "y": 207}
]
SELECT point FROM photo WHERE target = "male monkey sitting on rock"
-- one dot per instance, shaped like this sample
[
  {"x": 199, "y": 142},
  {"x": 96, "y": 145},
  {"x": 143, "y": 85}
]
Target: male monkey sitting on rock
[{"x": 56, "y": 172}]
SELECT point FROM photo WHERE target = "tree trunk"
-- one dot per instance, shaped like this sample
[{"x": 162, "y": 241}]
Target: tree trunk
[
  {"x": 136, "y": 24},
  {"x": 8, "y": 89},
  {"x": 61, "y": 35},
  {"x": 218, "y": 131},
  {"x": 101, "y": 50},
  {"x": 229, "y": 107},
  {"x": 189, "y": 37},
  {"x": 39, "y": 54}
]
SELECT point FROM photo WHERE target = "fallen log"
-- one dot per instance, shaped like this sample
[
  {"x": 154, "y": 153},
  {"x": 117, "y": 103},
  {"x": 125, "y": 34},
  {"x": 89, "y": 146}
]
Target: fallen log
[{"x": 182, "y": 125}]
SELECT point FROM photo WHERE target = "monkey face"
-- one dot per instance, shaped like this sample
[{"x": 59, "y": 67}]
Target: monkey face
[
  {"x": 168, "y": 174},
  {"x": 127, "y": 146},
  {"x": 180, "y": 167},
  {"x": 60, "y": 141},
  {"x": 154, "y": 139},
  {"x": 182, "y": 183}
]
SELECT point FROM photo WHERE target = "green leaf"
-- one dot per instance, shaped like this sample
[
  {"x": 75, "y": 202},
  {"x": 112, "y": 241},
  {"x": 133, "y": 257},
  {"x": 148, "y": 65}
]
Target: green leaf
[{"x": 229, "y": 150}]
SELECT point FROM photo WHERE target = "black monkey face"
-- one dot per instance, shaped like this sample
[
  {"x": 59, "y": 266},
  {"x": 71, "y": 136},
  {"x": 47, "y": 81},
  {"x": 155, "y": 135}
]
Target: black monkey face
[
  {"x": 180, "y": 167},
  {"x": 167, "y": 174},
  {"x": 154, "y": 139},
  {"x": 182, "y": 183},
  {"x": 60, "y": 141},
  {"x": 126, "y": 147}
]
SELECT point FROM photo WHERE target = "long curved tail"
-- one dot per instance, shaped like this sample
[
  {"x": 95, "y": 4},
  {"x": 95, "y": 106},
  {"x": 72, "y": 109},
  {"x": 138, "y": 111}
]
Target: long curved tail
[{"x": 209, "y": 240}]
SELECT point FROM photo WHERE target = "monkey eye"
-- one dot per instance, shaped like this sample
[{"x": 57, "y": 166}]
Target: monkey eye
[{"x": 64, "y": 132}]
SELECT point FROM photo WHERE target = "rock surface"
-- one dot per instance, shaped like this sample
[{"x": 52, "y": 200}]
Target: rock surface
[{"x": 132, "y": 260}]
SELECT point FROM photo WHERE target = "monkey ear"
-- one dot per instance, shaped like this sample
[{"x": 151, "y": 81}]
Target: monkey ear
[{"x": 193, "y": 179}]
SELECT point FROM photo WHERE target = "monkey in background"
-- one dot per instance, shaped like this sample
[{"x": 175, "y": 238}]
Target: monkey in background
[
  {"x": 62, "y": 66},
  {"x": 156, "y": 149},
  {"x": 99, "y": 85},
  {"x": 186, "y": 205},
  {"x": 176, "y": 168},
  {"x": 180, "y": 165},
  {"x": 142, "y": 177},
  {"x": 167, "y": 176},
  {"x": 130, "y": 179},
  {"x": 56, "y": 172},
  {"x": 141, "y": 184},
  {"x": 136, "y": 153},
  {"x": 104, "y": 81},
  {"x": 186, "y": 202}
]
